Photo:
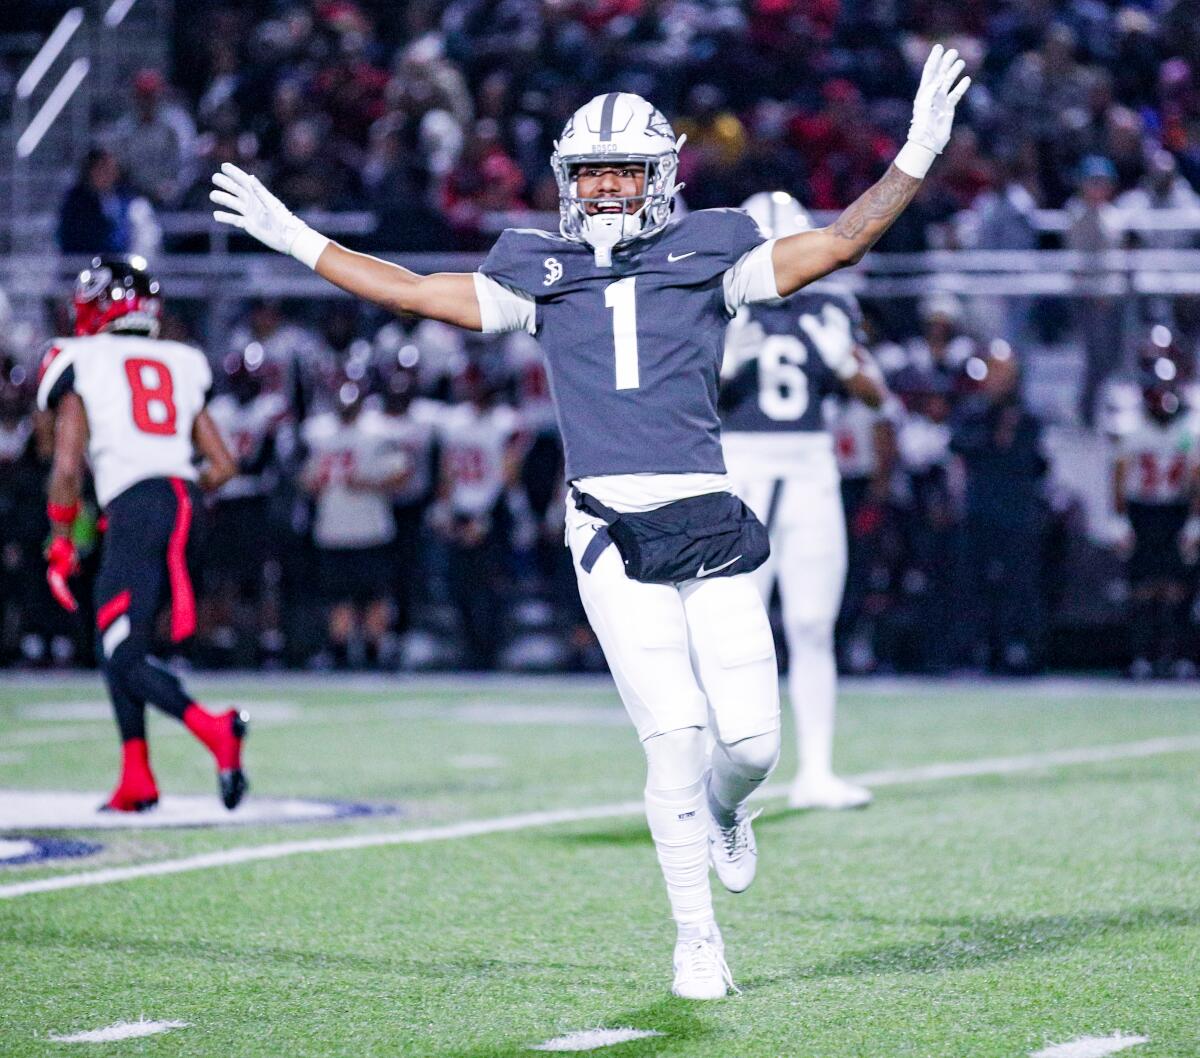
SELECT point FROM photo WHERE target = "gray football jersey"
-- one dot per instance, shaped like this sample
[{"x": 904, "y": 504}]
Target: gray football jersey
[
  {"x": 783, "y": 378},
  {"x": 633, "y": 351}
]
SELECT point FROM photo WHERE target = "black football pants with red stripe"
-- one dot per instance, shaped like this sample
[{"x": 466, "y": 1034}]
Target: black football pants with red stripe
[{"x": 144, "y": 562}]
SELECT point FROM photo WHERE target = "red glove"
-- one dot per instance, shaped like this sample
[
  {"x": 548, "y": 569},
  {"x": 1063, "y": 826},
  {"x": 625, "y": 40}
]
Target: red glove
[{"x": 63, "y": 562}]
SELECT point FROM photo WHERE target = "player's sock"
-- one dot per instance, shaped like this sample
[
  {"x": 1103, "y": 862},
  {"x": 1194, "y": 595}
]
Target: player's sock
[
  {"x": 738, "y": 769},
  {"x": 676, "y": 812},
  {"x": 812, "y": 688},
  {"x": 216, "y": 731}
]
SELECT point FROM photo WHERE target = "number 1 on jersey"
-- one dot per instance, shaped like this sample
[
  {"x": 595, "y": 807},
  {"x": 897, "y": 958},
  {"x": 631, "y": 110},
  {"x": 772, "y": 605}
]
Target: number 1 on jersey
[{"x": 621, "y": 297}]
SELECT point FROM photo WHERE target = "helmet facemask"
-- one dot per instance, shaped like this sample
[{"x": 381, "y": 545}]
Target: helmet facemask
[{"x": 605, "y": 231}]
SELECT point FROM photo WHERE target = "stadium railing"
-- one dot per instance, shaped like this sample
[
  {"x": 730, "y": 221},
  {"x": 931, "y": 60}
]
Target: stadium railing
[{"x": 1017, "y": 273}]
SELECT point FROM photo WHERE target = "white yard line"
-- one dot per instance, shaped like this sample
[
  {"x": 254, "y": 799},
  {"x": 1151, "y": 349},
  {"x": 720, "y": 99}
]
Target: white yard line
[
  {"x": 1152, "y": 747},
  {"x": 121, "y": 1030},
  {"x": 531, "y": 820},
  {"x": 594, "y": 1039},
  {"x": 1090, "y": 1047}
]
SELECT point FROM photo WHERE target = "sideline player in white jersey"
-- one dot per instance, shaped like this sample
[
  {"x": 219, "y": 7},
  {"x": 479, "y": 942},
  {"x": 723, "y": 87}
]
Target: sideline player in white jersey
[
  {"x": 481, "y": 446},
  {"x": 630, "y": 307},
  {"x": 782, "y": 360},
  {"x": 135, "y": 405},
  {"x": 242, "y": 568},
  {"x": 352, "y": 470},
  {"x": 1156, "y": 499}
]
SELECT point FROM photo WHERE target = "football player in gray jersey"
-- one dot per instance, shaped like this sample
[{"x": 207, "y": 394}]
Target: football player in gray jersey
[
  {"x": 782, "y": 360},
  {"x": 630, "y": 307}
]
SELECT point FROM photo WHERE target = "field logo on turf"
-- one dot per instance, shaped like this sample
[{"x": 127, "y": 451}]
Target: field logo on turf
[
  {"x": 22, "y": 811},
  {"x": 16, "y": 852}
]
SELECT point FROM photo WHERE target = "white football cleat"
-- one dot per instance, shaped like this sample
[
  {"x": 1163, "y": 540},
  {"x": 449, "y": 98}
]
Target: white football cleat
[
  {"x": 827, "y": 791},
  {"x": 700, "y": 968},
  {"x": 732, "y": 851}
]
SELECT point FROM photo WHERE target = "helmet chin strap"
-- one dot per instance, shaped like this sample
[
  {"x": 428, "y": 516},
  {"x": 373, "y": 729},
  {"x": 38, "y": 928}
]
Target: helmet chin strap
[{"x": 602, "y": 232}]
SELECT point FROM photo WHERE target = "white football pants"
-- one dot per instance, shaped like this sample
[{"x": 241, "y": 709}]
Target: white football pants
[
  {"x": 686, "y": 658},
  {"x": 681, "y": 655},
  {"x": 808, "y": 558}
]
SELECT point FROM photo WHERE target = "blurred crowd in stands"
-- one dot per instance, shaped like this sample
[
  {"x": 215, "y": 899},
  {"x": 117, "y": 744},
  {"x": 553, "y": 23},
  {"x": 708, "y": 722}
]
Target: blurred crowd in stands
[
  {"x": 435, "y": 115},
  {"x": 400, "y": 504}
]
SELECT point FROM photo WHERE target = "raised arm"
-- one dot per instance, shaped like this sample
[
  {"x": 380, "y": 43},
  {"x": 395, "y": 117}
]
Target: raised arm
[
  {"x": 250, "y": 207},
  {"x": 799, "y": 259}
]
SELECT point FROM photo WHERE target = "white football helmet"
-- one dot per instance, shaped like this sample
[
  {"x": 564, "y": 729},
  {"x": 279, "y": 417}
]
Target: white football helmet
[
  {"x": 778, "y": 214},
  {"x": 612, "y": 128}
]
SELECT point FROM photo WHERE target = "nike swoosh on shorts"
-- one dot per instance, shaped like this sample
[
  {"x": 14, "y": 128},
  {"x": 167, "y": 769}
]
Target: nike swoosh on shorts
[{"x": 702, "y": 572}]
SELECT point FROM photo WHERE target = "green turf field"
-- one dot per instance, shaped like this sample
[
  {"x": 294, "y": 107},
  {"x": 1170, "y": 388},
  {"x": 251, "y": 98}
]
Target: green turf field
[{"x": 962, "y": 915}]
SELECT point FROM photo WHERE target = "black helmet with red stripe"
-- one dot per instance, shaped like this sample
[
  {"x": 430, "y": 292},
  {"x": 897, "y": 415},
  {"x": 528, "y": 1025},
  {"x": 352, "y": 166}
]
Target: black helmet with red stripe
[{"x": 117, "y": 294}]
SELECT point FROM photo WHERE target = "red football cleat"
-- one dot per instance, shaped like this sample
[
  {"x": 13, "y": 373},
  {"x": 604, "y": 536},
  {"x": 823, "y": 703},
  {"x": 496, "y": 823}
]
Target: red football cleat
[
  {"x": 223, "y": 734},
  {"x": 137, "y": 791}
]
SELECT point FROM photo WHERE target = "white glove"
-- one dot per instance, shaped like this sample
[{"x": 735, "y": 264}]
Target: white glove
[
  {"x": 261, "y": 214},
  {"x": 933, "y": 111},
  {"x": 833, "y": 336}
]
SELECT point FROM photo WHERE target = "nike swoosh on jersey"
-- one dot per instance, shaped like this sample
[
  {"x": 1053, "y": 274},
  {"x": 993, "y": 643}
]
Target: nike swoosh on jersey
[
  {"x": 702, "y": 572},
  {"x": 680, "y": 256}
]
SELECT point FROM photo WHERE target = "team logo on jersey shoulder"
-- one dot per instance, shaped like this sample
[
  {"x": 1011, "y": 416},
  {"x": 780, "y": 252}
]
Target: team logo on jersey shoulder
[{"x": 554, "y": 271}]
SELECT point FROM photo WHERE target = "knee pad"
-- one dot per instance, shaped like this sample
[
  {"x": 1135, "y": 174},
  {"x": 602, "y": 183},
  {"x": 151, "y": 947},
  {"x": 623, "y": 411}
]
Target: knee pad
[
  {"x": 755, "y": 756},
  {"x": 675, "y": 760},
  {"x": 804, "y": 633}
]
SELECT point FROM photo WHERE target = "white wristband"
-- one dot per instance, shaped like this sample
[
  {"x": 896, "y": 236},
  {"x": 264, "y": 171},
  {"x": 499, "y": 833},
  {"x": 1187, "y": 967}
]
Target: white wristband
[
  {"x": 308, "y": 245},
  {"x": 914, "y": 159}
]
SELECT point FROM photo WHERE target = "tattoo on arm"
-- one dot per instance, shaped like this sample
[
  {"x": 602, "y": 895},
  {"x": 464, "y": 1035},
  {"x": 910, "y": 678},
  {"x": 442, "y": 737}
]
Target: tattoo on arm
[{"x": 874, "y": 211}]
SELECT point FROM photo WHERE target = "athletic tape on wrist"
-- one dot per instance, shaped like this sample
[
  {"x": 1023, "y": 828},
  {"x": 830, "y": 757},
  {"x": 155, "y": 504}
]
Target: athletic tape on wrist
[
  {"x": 308, "y": 246},
  {"x": 915, "y": 159},
  {"x": 62, "y": 513}
]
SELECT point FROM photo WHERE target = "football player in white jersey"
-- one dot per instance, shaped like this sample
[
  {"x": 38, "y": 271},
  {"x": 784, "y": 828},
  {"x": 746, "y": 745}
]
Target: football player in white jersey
[
  {"x": 630, "y": 306},
  {"x": 352, "y": 471},
  {"x": 481, "y": 447},
  {"x": 242, "y": 568},
  {"x": 1156, "y": 499},
  {"x": 133, "y": 406},
  {"x": 782, "y": 360},
  {"x": 408, "y": 421},
  {"x": 864, "y": 442}
]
